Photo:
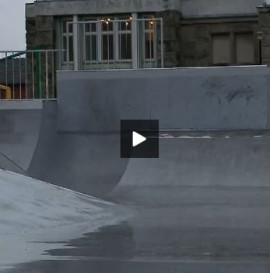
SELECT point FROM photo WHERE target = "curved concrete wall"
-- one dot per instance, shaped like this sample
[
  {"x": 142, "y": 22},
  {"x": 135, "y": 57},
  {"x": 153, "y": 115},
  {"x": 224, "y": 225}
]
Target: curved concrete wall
[
  {"x": 19, "y": 130},
  {"x": 200, "y": 166},
  {"x": 79, "y": 143},
  {"x": 196, "y": 98},
  {"x": 88, "y": 163}
]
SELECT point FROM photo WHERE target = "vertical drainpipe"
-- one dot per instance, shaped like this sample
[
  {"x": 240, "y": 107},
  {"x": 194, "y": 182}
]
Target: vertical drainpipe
[
  {"x": 135, "y": 39},
  {"x": 75, "y": 42}
]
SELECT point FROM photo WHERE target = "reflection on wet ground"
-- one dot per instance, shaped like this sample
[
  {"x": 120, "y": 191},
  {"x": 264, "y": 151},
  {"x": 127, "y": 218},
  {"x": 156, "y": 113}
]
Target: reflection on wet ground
[
  {"x": 125, "y": 248},
  {"x": 218, "y": 230},
  {"x": 111, "y": 242},
  {"x": 100, "y": 266}
]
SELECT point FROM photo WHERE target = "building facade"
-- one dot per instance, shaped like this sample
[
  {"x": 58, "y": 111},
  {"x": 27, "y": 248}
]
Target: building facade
[{"x": 97, "y": 34}]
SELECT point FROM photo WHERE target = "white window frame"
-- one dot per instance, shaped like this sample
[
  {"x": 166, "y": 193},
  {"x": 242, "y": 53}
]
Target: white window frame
[
  {"x": 68, "y": 34},
  {"x": 90, "y": 34},
  {"x": 152, "y": 33},
  {"x": 119, "y": 33},
  {"x": 138, "y": 55},
  {"x": 99, "y": 33},
  {"x": 108, "y": 33}
]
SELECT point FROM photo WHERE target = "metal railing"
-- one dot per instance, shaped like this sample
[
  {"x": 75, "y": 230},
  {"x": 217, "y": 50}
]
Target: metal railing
[
  {"x": 90, "y": 45},
  {"x": 28, "y": 74}
]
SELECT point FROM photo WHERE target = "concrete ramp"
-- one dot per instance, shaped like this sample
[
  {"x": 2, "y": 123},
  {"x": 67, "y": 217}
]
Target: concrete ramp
[
  {"x": 85, "y": 162},
  {"x": 212, "y": 167},
  {"x": 79, "y": 142},
  {"x": 37, "y": 216},
  {"x": 203, "y": 206},
  {"x": 205, "y": 200},
  {"x": 19, "y": 131},
  {"x": 7, "y": 164}
]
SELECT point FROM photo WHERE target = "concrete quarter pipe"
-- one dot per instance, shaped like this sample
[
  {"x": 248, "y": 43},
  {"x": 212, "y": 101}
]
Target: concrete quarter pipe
[
  {"x": 79, "y": 143},
  {"x": 85, "y": 162},
  {"x": 19, "y": 131}
]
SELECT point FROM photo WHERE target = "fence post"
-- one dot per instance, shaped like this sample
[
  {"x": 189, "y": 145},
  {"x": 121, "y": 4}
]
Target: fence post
[
  {"x": 38, "y": 74},
  {"x": 135, "y": 37},
  {"x": 75, "y": 42},
  {"x": 47, "y": 75}
]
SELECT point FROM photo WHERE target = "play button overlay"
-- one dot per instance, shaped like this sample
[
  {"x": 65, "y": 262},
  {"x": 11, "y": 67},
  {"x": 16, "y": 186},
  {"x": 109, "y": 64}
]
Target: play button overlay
[{"x": 139, "y": 138}]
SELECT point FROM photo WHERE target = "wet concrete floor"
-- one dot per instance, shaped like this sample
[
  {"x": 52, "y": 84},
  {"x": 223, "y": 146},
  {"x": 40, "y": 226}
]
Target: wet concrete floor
[{"x": 200, "y": 238}]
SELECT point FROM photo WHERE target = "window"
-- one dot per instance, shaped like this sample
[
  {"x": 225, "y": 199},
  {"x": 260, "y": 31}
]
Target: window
[
  {"x": 124, "y": 39},
  {"x": 244, "y": 48},
  {"x": 221, "y": 49},
  {"x": 233, "y": 49},
  {"x": 91, "y": 36},
  {"x": 107, "y": 38},
  {"x": 149, "y": 38},
  {"x": 67, "y": 40},
  {"x": 109, "y": 41}
]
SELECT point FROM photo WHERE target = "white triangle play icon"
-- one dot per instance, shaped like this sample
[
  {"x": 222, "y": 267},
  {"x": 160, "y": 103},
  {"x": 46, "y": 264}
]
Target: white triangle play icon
[{"x": 137, "y": 139}]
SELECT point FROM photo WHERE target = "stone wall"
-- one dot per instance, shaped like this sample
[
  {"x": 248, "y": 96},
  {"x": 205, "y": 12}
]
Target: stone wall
[
  {"x": 40, "y": 32},
  {"x": 187, "y": 42},
  {"x": 264, "y": 26},
  {"x": 172, "y": 37}
]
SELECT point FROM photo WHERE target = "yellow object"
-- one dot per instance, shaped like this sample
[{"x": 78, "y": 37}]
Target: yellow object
[{"x": 8, "y": 91}]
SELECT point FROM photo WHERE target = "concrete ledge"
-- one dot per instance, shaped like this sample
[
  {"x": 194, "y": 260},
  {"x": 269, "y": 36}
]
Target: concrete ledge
[{"x": 21, "y": 104}]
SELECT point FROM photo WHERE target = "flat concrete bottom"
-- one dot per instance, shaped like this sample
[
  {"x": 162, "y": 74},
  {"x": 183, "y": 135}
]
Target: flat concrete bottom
[{"x": 201, "y": 237}]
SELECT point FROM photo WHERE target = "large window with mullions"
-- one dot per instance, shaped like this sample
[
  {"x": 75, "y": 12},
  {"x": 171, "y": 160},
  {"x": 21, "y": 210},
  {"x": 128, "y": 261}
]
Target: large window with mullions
[
  {"x": 107, "y": 39},
  {"x": 112, "y": 42}
]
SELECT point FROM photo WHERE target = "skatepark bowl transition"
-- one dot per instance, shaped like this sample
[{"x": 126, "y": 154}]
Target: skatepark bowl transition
[{"x": 69, "y": 203}]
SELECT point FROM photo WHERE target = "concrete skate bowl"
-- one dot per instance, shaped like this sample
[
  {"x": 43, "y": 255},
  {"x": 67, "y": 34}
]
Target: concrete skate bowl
[
  {"x": 203, "y": 206},
  {"x": 19, "y": 132},
  {"x": 206, "y": 199},
  {"x": 79, "y": 143}
]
